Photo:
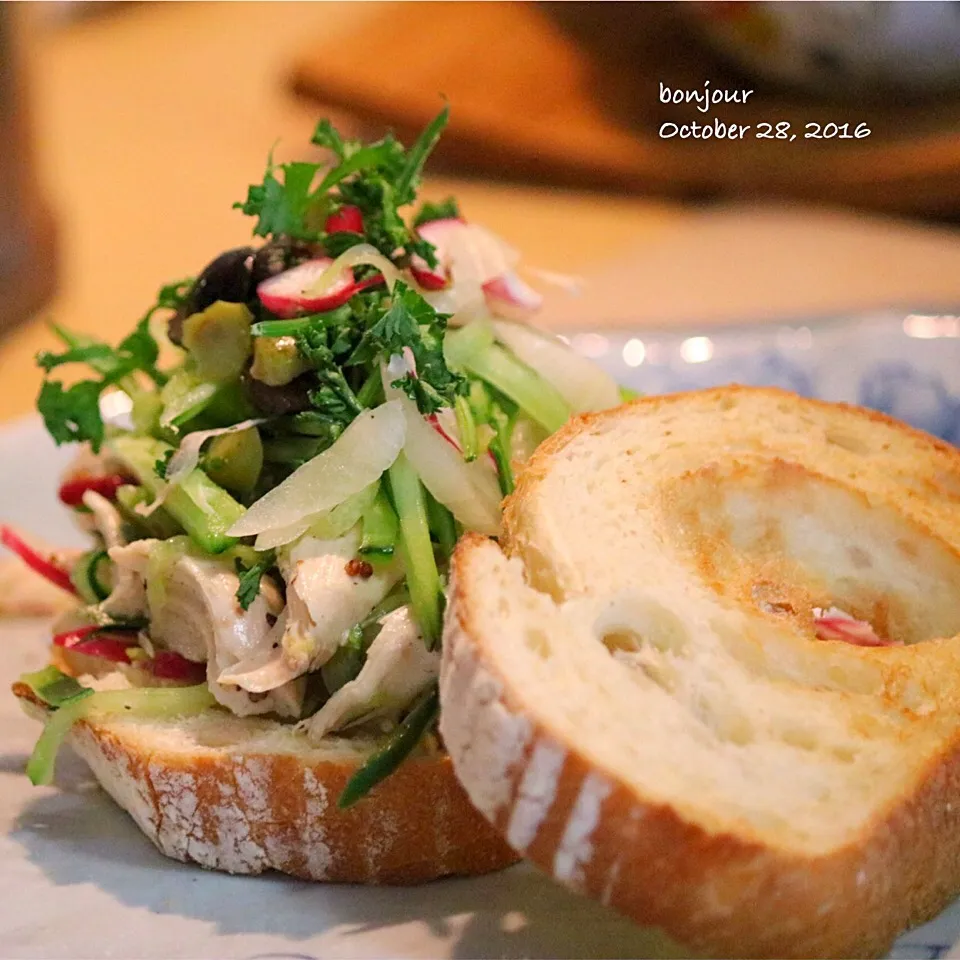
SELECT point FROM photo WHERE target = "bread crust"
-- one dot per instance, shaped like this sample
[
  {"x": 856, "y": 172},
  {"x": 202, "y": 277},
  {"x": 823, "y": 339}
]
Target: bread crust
[
  {"x": 246, "y": 810},
  {"x": 717, "y": 892}
]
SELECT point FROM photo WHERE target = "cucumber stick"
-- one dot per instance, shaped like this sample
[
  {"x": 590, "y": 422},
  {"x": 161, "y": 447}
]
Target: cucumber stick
[{"x": 416, "y": 550}]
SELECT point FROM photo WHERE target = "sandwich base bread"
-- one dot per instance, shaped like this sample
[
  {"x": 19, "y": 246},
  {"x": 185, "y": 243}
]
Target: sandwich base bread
[
  {"x": 635, "y": 693},
  {"x": 247, "y": 795}
]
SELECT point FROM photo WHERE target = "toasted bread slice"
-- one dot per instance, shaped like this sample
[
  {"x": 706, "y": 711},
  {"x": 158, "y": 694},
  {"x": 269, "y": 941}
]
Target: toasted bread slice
[
  {"x": 634, "y": 693},
  {"x": 246, "y": 795}
]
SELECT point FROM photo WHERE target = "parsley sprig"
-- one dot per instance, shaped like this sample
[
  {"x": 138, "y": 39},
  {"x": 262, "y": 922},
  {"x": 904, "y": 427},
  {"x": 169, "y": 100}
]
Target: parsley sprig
[
  {"x": 73, "y": 413},
  {"x": 294, "y": 199}
]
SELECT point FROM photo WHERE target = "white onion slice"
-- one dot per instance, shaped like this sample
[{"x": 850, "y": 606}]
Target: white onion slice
[
  {"x": 577, "y": 379},
  {"x": 468, "y": 490},
  {"x": 359, "y": 456},
  {"x": 363, "y": 254},
  {"x": 281, "y": 536}
]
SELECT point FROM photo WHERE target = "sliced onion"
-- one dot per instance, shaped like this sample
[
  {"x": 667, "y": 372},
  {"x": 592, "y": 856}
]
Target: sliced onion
[
  {"x": 327, "y": 525},
  {"x": 360, "y": 455},
  {"x": 577, "y": 379},
  {"x": 280, "y": 536},
  {"x": 468, "y": 490},
  {"x": 362, "y": 255}
]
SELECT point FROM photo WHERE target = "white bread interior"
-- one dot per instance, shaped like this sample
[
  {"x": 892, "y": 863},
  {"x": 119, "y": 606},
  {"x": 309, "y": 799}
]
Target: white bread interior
[{"x": 633, "y": 692}]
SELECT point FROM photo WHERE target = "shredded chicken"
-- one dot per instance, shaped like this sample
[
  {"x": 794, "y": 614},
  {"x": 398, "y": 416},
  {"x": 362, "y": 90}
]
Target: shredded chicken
[
  {"x": 106, "y": 519},
  {"x": 398, "y": 667},
  {"x": 323, "y": 600},
  {"x": 128, "y": 599},
  {"x": 199, "y": 618}
]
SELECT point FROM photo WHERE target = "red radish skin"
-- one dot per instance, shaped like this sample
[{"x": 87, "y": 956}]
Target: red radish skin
[
  {"x": 426, "y": 276},
  {"x": 856, "y": 632},
  {"x": 167, "y": 665},
  {"x": 347, "y": 219},
  {"x": 71, "y": 493},
  {"x": 94, "y": 641},
  {"x": 36, "y": 561},
  {"x": 285, "y": 294},
  {"x": 508, "y": 296}
]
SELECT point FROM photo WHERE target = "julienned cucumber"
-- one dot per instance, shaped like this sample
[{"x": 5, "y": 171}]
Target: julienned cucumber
[
  {"x": 416, "y": 550},
  {"x": 205, "y": 510}
]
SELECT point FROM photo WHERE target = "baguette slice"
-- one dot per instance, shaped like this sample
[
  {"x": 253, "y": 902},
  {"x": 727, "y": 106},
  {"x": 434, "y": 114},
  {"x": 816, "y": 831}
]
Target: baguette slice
[
  {"x": 246, "y": 795},
  {"x": 634, "y": 694}
]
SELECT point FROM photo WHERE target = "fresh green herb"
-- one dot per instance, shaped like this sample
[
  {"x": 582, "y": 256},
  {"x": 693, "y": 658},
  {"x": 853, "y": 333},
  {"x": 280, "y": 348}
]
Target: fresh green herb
[
  {"x": 377, "y": 178},
  {"x": 162, "y": 463},
  {"x": 410, "y": 322},
  {"x": 250, "y": 576},
  {"x": 73, "y": 414},
  {"x": 445, "y": 210},
  {"x": 397, "y": 748}
]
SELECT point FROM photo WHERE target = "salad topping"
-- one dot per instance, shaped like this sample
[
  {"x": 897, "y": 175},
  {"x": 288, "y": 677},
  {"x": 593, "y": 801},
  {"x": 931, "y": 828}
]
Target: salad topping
[{"x": 274, "y": 522}]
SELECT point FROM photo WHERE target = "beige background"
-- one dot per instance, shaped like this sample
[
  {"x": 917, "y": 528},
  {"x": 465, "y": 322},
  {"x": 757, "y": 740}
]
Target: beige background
[{"x": 152, "y": 122}]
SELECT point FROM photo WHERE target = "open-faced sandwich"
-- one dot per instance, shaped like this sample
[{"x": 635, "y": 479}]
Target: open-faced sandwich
[{"x": 272, "y": 503}]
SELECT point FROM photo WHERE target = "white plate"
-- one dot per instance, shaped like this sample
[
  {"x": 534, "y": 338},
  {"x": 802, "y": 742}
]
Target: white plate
[{"x": 79, "y": 880}]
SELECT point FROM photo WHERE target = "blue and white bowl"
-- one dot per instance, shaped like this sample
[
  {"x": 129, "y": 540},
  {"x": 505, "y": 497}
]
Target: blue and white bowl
[{"x": 903, "y": 364}]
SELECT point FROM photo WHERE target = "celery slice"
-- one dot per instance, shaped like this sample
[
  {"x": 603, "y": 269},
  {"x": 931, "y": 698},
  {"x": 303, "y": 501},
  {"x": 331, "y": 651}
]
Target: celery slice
[
  {"x": 415, "y": 548},
  {"x": 203, "y": 509},
  {"x": 538, "y": 399}
]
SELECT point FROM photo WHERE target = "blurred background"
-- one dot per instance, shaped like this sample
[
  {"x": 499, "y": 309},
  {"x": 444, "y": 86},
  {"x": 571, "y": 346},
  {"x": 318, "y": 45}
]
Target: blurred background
[{"x": 830, "y": 265}]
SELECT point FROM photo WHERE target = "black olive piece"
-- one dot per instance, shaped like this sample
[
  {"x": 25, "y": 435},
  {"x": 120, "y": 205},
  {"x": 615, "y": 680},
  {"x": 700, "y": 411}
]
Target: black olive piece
[
  {"x": 227, "y": 278},
  {"x": 292, "y": 397}
]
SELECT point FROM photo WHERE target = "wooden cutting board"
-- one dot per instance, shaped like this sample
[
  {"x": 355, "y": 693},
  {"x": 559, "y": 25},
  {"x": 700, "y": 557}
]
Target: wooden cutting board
[{"x": 569, "y": 94}]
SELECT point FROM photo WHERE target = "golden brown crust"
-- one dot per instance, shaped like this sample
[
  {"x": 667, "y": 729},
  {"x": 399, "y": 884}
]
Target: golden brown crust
[
  {"x": 248, "y": 810},
  {"x": 716, "y": 893},
  {"x": 719, "y": 892}
]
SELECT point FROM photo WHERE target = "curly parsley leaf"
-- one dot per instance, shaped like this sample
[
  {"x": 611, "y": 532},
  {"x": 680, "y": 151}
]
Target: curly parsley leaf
[
  {"x": 72, "y": 414},
  {"x": 250, "y": 578},
  {"x": 445, "y": 210},
  {"x": 332, "y": 399},
  {"x": 378, "y": 178},
  {"x": 411, "y": 322},
  {"x": 284, "y": 207}
]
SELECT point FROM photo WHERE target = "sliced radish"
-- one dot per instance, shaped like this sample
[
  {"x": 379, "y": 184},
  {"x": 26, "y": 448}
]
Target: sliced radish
[
  {"x": 473, "y": 254},
  {"x": 167, "y": 665},
  {"x": 834, "y": 624},
  {"x": 347, "y": 219},
  {"x": 111, "y": 646},
  {"x": 71, "y": 493},
  {"x": 434, "y": 422},
  {"x": 509, "y": 297},
  {"x": 286, "y": 294},
  {"x": 426, "y": 276},
  {"x": 36, "y": 561}
]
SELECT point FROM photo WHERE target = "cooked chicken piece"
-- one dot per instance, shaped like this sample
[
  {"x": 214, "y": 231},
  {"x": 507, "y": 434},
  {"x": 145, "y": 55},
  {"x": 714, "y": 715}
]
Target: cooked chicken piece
[
  {"x": 324, "y": 600},
  {"x": 128, "y": 599},
  {"x": 106, "y": 518},
  {"x": 199, "y": 618},
  {"x": 398, "y": 667}
]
